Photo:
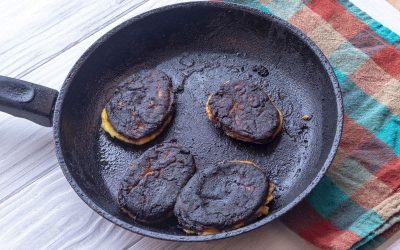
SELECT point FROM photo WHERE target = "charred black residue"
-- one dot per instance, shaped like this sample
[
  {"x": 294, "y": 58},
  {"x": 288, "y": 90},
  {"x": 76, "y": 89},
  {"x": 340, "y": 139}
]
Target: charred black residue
[
  {"x": 191, "y": 65},
  {"x": 221, "y": 197},
  {"x": 281, "y": 158},
  {"x": 153, "y": 182},
  {"x": 141, "y": 104},
  {"x": 245, "y": 112},
  {"x": 260, "y": 70}
]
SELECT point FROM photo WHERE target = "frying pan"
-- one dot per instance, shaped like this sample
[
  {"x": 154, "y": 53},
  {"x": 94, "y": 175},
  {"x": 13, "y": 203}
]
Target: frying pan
[{"x": 200, "y": 45}]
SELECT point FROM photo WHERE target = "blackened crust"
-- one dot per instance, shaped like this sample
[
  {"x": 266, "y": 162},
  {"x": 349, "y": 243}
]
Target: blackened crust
[
  {"x": 245, "y": 112},
  {"x": 221, "y": 197},
  {"x": 141, "y": 104},
  {"x": 153, "y": 182}
]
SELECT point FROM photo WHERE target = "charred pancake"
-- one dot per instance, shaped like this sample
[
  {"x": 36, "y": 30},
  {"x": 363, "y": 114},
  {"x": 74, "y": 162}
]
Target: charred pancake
[
  {"x": 244, "y": 111},
  {"x": 140, "y": 108},
  {"x": 151, "y": 187},
  {"x": 223, "y": 198}
]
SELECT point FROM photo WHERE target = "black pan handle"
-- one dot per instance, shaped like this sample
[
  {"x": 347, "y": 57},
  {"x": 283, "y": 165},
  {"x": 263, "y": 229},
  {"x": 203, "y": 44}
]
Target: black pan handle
[{"x": 27, "y": 100}]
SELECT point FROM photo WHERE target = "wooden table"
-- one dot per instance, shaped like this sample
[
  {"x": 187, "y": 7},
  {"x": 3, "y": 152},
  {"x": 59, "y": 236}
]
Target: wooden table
[
  {"x": 395, "y": 3},
  {"x": 39, "y": 42}
]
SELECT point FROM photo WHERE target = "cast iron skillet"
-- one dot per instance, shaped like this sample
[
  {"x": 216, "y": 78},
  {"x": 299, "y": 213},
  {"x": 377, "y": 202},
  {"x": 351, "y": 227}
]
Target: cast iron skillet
[{"x": 200, "y": 45}]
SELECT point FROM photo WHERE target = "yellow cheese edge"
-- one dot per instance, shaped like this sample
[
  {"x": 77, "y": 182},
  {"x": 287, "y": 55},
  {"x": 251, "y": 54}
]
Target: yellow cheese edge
[
  {"x": 106, "y": 126},
  {"x": 280, "y": 126},
  {"x": 208, "y": 109},
  {"x": 264, "y": 209},
  {"x": 245, "y": 162}
]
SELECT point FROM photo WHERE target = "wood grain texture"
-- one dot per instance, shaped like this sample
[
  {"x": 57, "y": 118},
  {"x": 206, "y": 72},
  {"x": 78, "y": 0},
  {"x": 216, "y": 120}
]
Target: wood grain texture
[
  {"x": 49, "y": 215},
  {"x": 39, "y": 42},
  {"x": 48, "y": 28}
]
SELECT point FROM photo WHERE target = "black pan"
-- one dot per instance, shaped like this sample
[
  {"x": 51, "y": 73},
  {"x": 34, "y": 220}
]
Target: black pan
[{"x": 200, "y": 45}]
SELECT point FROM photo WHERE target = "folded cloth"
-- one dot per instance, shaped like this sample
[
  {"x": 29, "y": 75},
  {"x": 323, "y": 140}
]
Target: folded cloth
[{"x": 357, "y": 203}]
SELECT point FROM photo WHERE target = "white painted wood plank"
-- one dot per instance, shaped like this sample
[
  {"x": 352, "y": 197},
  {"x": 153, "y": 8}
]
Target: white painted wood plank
[
  {"x": 49, "y": 215},
  {"x": 26, "y": 154},
  {"x": 33, "y": 32}
]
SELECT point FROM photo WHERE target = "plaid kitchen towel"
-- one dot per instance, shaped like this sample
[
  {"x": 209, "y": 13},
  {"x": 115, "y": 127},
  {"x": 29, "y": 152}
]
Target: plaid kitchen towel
[{"x": 357, "y": 203}]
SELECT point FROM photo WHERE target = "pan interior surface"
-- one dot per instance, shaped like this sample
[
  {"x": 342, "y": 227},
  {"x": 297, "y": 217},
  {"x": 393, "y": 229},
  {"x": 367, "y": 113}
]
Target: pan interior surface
[{"x": 200, "y": 46}]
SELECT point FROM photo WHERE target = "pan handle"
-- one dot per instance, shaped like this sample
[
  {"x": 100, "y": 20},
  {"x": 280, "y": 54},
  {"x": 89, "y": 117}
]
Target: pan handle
[{"x": 27, "y": 100}]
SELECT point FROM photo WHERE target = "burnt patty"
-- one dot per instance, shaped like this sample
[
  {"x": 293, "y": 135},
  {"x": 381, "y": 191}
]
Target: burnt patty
[
  {"x": 153, "y": 182},
  {"x": 244, "y": 111},
  {"x": 140, "y": 108},
  {"x": 221, "y": 198}
]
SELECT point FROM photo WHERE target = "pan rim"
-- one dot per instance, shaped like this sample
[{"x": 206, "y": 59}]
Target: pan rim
[{"x": 190, "y": 238}]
